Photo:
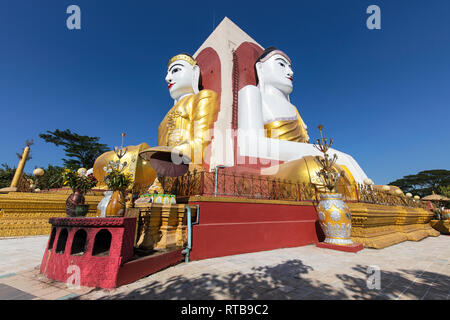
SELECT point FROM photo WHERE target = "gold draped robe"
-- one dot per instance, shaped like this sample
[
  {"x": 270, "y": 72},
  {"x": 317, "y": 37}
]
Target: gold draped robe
[
  {"x": 290, "y": 130},
  {"x": 187, "y": 124}
]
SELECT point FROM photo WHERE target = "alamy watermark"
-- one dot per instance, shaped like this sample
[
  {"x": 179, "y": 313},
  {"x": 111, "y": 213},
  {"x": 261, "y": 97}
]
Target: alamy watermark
[
  {"x": 74, "y": 279},
  {"x": 373, "y": 281},
  {"x": 374, "y": 20},
  {"x": 73, "y": 21}
]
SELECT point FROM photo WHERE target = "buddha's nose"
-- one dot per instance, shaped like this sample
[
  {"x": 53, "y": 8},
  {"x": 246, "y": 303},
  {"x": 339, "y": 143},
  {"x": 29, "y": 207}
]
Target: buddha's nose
[
  {"x": 290, "y": 72},
  {"x": 168, "y": 78}
]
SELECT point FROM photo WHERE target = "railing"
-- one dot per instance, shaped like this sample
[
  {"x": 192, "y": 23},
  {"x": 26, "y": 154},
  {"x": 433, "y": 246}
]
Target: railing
[
  {"x": 231, "y": 184},
  {"x": 369, "y": 194}
]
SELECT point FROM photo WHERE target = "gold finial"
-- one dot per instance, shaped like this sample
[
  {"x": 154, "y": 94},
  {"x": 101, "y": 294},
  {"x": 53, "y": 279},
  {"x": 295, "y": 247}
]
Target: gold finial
[
  {"x": 327, "y": 174},
  {"x": 120, "y": 152},
  {"x": 184, "y": 57}
]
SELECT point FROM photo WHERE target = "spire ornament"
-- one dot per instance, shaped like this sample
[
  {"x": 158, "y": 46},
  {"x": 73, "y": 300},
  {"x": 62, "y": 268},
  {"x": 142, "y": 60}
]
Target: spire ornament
[{"x": 327, "y": 174}]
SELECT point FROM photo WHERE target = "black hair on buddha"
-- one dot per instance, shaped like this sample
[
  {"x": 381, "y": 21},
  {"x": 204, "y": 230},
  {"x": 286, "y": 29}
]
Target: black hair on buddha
[{"x": 265, "y": 53}]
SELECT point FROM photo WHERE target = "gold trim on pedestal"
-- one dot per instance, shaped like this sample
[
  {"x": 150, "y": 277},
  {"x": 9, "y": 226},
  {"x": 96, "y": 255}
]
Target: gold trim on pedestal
[
  {"x": 27, "y": 214},
  {"x": 160, "y": 226},
  {"x": 379, "y": 226}
]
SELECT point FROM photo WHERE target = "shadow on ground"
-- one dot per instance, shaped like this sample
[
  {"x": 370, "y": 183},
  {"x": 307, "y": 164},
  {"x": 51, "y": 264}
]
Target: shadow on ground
[{"x": 289, "y": 280}]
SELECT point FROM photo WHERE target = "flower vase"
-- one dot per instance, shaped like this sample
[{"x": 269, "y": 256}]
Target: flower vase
[
  {"x": 335, "y": 219},
  {"x": 116, "y": 205},
  {"x": 74, "y": 200}
]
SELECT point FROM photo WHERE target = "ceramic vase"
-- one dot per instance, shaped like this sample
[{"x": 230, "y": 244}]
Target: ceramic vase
[
  {"x": 116, "y": 205},
  {"x": 335, "y": 219},
  {"x": 81, "y": 210},
  {"x": 75, "y": 199}
]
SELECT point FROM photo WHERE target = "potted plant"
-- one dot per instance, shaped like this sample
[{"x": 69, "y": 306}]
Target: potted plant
[
  {"x": 118, "y": 181},
  {"x": 80, "y": 183}
]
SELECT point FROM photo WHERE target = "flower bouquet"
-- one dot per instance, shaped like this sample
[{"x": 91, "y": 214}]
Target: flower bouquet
[
  {"x": 80, "y": 183},
  {"x": 118, "y": 181}
]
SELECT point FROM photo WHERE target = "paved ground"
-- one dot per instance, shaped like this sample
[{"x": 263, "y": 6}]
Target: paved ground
[
  {"x": 20, "y": 279},
  {"x": 19, "y": 254},
  {"x": 410, "y": 270}
]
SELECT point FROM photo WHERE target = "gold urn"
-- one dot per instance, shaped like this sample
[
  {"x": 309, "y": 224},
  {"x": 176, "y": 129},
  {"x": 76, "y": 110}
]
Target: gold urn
[
  {"x": 335, "y": 219},
  {"x": 334, "y": 215}
]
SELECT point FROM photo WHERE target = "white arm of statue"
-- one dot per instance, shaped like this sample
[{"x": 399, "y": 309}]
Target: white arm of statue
[
  {"x": 274, "y": 149},
  {"x": 250, "y": 117}
]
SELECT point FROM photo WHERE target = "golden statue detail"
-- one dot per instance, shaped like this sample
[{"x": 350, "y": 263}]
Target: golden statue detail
[
  {"x": 185, "y": 130},
  {"x": 186, "y": 126}
]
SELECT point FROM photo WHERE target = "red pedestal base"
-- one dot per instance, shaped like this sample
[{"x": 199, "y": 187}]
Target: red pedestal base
[
  {"x": 228, "y": 228},
  {"x": 349, "y": 248}
]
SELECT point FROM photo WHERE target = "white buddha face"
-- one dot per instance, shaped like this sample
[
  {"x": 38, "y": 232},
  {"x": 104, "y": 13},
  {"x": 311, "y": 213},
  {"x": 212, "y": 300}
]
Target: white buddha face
[
  {"x": 180, "y": 75},
  {"x": 277, "y": 72}
]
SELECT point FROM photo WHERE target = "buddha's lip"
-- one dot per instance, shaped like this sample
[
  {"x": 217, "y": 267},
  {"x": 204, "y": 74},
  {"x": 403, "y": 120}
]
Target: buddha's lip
[
  {"x": 290, "y": 78},
  {"x": 170, "y": 85}
]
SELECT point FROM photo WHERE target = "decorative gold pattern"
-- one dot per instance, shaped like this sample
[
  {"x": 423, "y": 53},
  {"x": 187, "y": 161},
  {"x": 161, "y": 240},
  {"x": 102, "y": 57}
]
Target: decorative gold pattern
[
  {"x": 442, "y": 226},
  {"x": 335, "y": 219},
  {"x": 182, "y": 57},
  {"x": 27, "y": 214},
  {"x": 160, "y": 226},
  {"x": 379, "y": 226},
  {"x": 187, "y": 125}
]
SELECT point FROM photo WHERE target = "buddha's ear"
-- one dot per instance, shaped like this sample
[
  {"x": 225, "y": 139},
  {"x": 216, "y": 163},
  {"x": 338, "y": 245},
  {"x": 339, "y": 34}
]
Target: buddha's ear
[
  {"x": 196, "y": 79},
  {"x": 258, "y": 67}
]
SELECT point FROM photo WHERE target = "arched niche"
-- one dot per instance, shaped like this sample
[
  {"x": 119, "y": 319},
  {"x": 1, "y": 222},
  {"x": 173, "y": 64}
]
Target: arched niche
[
  {"x": 52, "y": 239},
  {"x": 102, "y": 243},
  {"x": 79, "y": 243},
  {"x": 62, "y": 240}
]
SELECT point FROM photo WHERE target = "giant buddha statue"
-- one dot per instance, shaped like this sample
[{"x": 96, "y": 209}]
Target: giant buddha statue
[
  {"x": 186, "y": 127},
  {"x": 185, "y": 130},
  {"x": 268, "y": 120}
]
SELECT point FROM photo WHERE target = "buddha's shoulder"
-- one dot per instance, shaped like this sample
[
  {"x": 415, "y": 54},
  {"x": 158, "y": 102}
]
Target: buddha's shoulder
[{"x": 206, "y": 94}]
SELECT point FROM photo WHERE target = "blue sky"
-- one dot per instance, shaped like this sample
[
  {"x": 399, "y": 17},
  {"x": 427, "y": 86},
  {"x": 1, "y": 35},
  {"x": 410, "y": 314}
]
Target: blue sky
[{"x": 383, "y": 95}]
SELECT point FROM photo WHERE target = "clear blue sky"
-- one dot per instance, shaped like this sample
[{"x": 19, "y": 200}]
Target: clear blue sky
[{"x": 383, "y": 95}]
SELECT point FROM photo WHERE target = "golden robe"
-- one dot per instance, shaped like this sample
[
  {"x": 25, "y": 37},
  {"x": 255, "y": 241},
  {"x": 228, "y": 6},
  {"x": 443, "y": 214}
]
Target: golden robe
[
  {"x": 290, "y": 130},
  {"x": 187, "y": 125}
]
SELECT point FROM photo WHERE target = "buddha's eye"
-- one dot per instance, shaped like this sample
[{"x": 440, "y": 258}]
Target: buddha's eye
[
  {"x": 175, "y": 70},
  {"x": 281, "y": 64}
]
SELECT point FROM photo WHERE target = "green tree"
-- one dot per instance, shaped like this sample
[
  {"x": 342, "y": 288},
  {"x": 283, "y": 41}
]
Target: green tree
[
  {"x": 445, "y": 191},
  {"x": 51, "y": 179},
  {"x": 80, "y": 150},
  {"x": 6, "y": 175},
  {"x": 424, "y": 182}
]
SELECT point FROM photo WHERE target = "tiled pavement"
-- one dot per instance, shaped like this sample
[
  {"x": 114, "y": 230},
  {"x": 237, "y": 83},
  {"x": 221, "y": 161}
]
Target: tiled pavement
[
  {"x": 409, "y": 270},
  {"x": 20, "y": 279}
]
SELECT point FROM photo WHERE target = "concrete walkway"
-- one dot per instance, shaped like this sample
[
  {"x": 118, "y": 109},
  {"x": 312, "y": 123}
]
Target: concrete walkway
[
  {"x": 19, "y": 254},
  {"x": 20, "y": 279},
  {"x": 409, "y": 270}
]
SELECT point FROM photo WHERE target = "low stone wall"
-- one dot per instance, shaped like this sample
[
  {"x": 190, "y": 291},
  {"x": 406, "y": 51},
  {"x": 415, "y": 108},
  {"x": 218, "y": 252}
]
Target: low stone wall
[
  {"x": 380, "y": 226},
  {"x": 27, "y": 214}
]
